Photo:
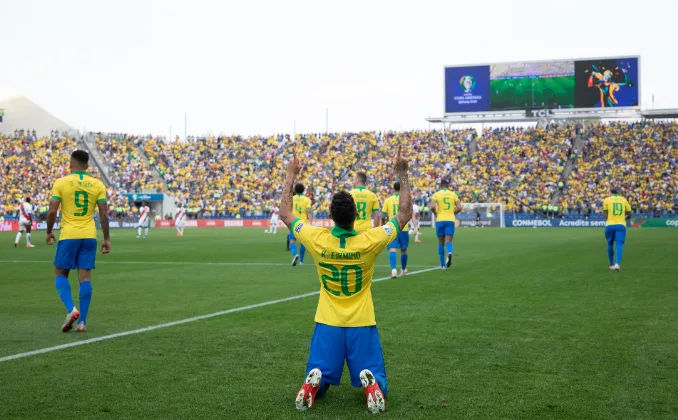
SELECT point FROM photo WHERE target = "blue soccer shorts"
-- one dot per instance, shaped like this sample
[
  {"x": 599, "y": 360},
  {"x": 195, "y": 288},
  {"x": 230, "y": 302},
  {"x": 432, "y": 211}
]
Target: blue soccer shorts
[
  {"x": 291, "y": 236},
  {"x": 402, "y": 241},
  {"x": 615, "y": 233},
  {"x": 76, "y": 253},
  {"x": 445, "y": 228},
  {"x": 359, "y": 346}
]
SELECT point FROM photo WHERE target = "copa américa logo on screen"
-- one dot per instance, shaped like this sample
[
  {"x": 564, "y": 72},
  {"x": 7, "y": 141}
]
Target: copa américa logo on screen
[{"x": 467, "y": 83}]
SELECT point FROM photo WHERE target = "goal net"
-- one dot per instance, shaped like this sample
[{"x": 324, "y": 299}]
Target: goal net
[{"x": 481, "y": 215}]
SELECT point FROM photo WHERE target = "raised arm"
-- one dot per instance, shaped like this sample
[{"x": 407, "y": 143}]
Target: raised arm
[
  {"x": 286, "y": 213},
  {"x": 405, "y": 212}
]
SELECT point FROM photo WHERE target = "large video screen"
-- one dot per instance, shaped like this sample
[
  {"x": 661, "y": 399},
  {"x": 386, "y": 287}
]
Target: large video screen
[{"x": 555, "y": 84}]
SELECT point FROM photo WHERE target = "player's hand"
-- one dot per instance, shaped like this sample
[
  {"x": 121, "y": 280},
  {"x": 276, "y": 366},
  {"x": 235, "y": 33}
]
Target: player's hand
[
  {"x": 294, "y": 167},
  {"x": 400, "y": 163},
  {"x": 106, "y": 246},
  {"x": 50, "y": 239}
]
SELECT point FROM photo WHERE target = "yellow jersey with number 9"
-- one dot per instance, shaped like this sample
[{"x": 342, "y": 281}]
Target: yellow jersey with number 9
[
  {"x": 345, "y": 262},
  {"x": 366, "y": 202},
  {"x": 392, "y": 207},
  {"x": 445, "y": 200},
  {"x": 616, "y": 207},
  {"x": 79, "y": 194},
  {"x": 300, "y": 205}
]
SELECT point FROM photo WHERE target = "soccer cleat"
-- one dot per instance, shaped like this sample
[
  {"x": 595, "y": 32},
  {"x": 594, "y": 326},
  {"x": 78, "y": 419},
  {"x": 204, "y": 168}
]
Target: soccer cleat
[
  {"x": 16, "y": 244},
  {"x": 375, "y": 398},
  {"x": 417, "y": 241},
  {"x": 30, "y": 246},
  {"x": 70, "y": 319},
  {"x": 295, "y": 260},
  {"x": 403, "y": 272},
  {"x": 138, "y": 237},
  {"x": 449, "y": 259},
  {"x": 301, "y": 263},
  {"x": 394, "y": 273},
  {"x": 612, "y": 267},
  {"x": 306, "y": 395},
  {"x": 81, "y": 327},
  {"x": 617, "y": 267}
]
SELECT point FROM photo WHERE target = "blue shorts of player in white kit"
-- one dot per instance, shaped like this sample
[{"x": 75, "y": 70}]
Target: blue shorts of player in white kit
[
  {"x": 445, "y": 228},
  {"x": 76, "y": 253},
  {"x": 615, "y": 233},
  {"x": 359, "y": 346},
  {"x": 402, "y": 241}
]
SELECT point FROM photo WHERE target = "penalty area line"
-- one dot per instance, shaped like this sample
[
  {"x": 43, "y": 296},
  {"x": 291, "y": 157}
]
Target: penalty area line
[{"x": 179, "y": 322}]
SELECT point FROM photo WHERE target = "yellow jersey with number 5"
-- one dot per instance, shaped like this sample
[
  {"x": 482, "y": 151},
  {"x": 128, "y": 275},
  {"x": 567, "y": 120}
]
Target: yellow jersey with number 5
[
  {"x": 300, "y": 205},
  {"x": 345, "y": 262},
  {"x": 366, "y": 202},
  {"x": 616, "y": 207},
  {"x": 446, "y": 201},
  {"x": 79, "y": 194}
]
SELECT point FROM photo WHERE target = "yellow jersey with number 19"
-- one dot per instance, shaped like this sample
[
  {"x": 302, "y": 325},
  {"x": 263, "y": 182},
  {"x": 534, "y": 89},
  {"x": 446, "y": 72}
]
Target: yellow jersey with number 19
[
  {"x": 79, "y": 194},
  {"x": 616, "y": 207},
  {"x": 445, "y": 200},
  {"x": 300, "y": 205},
  {"x": 392, "y": 207},
  {"x": 345, "y": 262},
  {"x": 366, "y": 202}
]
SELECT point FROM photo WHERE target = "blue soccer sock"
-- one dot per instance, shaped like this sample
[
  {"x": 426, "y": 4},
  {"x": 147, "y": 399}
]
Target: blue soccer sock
[
  {"x": 610, "y": 253},
  {"x": 441, "y": 254},
  {"x": 302, "y": 252},
  {"x": 64, "y": 291},
  {"x": 323, "y": 387},
  {"x": 85, "y": 299},
  {"x": 450, "y": 247},
  {"x": 620, "y": 251},
  {"x": 293, "y": 248},
  {"x": 403, "y": 261},
  {"x": 392, "y": 259}
]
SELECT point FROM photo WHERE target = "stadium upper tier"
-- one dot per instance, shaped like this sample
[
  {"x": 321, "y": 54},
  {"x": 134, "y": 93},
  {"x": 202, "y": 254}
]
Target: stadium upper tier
[{"x": 224, "y": 176}]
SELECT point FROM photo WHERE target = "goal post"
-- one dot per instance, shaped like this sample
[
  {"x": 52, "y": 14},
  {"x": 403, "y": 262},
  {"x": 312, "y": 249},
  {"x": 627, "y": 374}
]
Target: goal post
[{"x": 481, "y": 215}]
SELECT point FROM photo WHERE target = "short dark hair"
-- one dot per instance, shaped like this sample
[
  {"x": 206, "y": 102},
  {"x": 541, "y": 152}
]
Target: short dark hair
[
  {"x": 299, "y": 189},
  {"x": 81, "y": 157},
  {"x": 362, "y": 177},
  {"x": 396, "y": 185},
  {"x": 28, "y": 199},
  {"x": 445, "y": 183},
  {"x": 614, "y": 190},
  {"x": 343, "y": 209}
]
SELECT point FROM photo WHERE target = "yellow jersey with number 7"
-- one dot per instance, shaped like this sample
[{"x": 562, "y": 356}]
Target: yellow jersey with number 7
[
  {"x": 366, "y": 202},
  {"x": 445, "y": 201},
  {"x": 79, "y": 194},
  {"x": 616, "y": 207},
  {"x": 345, "y": 262}
]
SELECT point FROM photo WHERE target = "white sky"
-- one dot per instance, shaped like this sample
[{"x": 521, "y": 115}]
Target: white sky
[{"x": 256, "y": 66}]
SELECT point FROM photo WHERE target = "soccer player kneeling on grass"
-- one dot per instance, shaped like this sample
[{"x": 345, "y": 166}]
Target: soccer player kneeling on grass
[{"x": 345, "y": 325}]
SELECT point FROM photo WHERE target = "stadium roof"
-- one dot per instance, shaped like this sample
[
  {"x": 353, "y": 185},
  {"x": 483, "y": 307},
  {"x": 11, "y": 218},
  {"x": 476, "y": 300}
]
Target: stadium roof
[{"x": 22, "y": 113}]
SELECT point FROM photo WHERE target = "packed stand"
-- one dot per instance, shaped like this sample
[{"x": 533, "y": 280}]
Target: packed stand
[
  {"x": 129, "y": 171},
  {"x": 29, "y": 166},
  {"x": 641, "y": 159}
]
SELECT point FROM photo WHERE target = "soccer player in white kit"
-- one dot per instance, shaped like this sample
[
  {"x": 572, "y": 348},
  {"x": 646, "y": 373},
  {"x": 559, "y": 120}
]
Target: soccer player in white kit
[
  {"x": 144, "y": 213},
  {"x": 180, "y": 220},
  {"x": 414, "y": 223},
  {"x": 275, "y": 217},
  {"x": 25, "y": 222}
]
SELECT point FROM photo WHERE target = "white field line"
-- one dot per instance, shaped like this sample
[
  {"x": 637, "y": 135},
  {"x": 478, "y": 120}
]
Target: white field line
[
  {"x": 182, "y": 321},
  {"x": 263, "y": 264}
]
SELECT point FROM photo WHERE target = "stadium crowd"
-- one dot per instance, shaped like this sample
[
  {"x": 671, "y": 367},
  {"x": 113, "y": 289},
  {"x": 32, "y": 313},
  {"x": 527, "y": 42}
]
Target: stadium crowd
[{"x": 241, "y": 176}]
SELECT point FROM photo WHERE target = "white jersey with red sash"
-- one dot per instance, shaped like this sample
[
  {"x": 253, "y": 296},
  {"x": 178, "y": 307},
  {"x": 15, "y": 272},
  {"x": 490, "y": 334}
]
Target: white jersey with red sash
[
  {"x": 143, "y": 216},
  {"x": 25, "y": 212}
]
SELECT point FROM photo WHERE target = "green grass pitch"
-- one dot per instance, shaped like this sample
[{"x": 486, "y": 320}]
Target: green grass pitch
[
  {"x": 527, "y": 324},
  {"x": 547, "y": 90}
]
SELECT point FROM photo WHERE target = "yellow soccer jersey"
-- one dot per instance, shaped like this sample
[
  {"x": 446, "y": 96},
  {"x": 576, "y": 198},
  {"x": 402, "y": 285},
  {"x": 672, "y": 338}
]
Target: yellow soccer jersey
[
  {"x": 79, "y": 194},
  {"x": 616, "y": 207},
  {"x": 392, "y": 207},
  {"x": 345, "y": 261},
  {"x": 300, "y": 204},
  {"x": 445, "y": 200},
  {"x": 366, "y": 202}
]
